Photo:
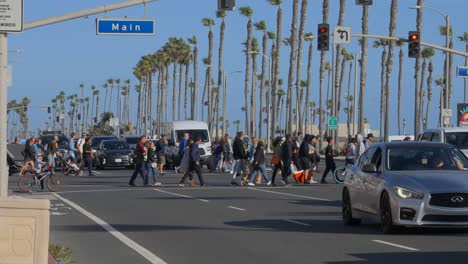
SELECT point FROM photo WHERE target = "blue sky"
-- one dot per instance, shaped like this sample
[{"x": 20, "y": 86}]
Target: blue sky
[{"x": 61, "y": 56}]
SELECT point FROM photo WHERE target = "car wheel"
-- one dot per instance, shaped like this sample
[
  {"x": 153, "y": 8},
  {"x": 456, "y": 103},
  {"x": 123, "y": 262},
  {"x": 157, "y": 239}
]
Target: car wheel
[
  {"x": 347, "y": 212},
  {"x": 386, "y": 219}
]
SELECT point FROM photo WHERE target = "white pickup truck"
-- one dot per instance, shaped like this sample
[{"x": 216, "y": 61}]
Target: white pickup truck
[{"x": 457, "y": 136}]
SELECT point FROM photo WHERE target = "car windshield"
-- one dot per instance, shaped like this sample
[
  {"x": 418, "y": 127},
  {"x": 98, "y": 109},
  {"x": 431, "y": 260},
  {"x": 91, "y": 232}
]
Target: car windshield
[
  {"x": 195, "y": 133},
  {"x": 116, "y": 145},
  {"x": 427, "y": 158},
  {"x": 459, "y": 139},
  {"x": 98, "y": 140},
  {"x": 63, "y": 141}
]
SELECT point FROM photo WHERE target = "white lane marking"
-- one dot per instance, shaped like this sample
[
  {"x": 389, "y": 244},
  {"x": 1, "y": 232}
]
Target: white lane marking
[
  {"x": 292, "y": 195},
  {"x": 236, "y": 208},
  {"x": 152, "y": 258},
  {"x": 97, "y": 172},
  {"x": 296, "y": 222},
  {"x": 395, "y": 245},
  {"x": 107, "y": 190},
  {"x": 181, "y": 195},
  {"x": 58, "y": 213}
]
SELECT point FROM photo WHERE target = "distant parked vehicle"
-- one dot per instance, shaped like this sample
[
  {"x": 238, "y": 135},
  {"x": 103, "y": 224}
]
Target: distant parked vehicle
[
  {"x": 98, "y": 139},
  {"x": 399, "y": 138},
  {"x": 114, "y": 153},
  {"x": 132, "y": 141},
  {"x": 457, "y": 136}
]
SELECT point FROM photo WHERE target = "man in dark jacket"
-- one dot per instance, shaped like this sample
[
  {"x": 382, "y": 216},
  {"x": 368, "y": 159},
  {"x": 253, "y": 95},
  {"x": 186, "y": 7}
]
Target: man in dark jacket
[
  {"x": 140, "y": 152},
  {"x": 287, "y": 152},
  {"x": 240, "y": 157},
  {"x": 194, "y": 163},
  {"x": 161, "y": 151},
  {"x": 329, "y": 161}
]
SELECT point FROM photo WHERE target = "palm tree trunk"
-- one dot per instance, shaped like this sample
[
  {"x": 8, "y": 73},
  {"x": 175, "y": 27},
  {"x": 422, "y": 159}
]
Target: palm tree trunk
[
  {"x": 382, "y": 89},
  {"x": 222, "y": 29},
  {"x": 209, "y": 78},
  {"x": 340, "y": 87},
  {"x": 194, "y": 103},
  {"x": 292, "y": 68},
  {"x": 253, "y": 101},
  {"x": 429, "y": 93},
  {"x": 110, "y": 99},
  {"x": 174, "y": 91},
  {"x": 307, "y": 96},
  {"x": 400, "y": 88},
  {"x": 323, "y": 54},
  {"x": 279, "y": 23},
  {"x": 205, "y": 88},
  {"x": 247, "y": 76},
  {"x": 179, "y": 99},
  {"x": 187, "y": 72},
  {"x": 300, "y": 51},
  {"x": 105, "y": 99},
  {"x": 421, "y": 92},
  {"x": 337, "y": 87},
  {"x": 419, "y": 27},
  {"x": 450, "y": 80},
  {"x": 363, "y": 77},
  {"x": 262, "y": 84},
  {"x": 391, "y": 52}
]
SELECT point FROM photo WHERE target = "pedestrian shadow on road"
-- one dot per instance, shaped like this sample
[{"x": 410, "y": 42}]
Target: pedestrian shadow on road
[{"x": 455, "y": 257}]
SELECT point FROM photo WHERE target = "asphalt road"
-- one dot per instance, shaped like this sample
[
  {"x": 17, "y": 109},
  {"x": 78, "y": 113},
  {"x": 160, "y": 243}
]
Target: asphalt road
[{"x": 105, "y": 221}]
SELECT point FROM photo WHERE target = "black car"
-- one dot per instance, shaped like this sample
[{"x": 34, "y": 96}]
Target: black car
[
  {"x": 132, "y": 141},
  {"x": 96, "y": 140},
  {"x": 63, "y": 140},
  {"x": 113, "y": 153}
]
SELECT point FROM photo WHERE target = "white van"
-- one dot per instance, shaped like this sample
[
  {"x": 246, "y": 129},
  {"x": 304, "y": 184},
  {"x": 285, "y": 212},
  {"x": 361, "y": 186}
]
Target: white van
[
  {"x": 457, "y": 136},
  {"x": 175, "y": 131}
]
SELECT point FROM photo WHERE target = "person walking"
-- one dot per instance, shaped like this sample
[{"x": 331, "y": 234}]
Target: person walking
[
  {"x": 259, "y": 165},
  {"x": 227, "y": 153},
  {"x": 350, "y": 152},
  {"x": 276, "y": 159},
  {"x": 194, "y": 164},
  {"x": 71, "y": 147},
  {"x": 151, "y": 165},
  {"x": 140, "y": 153},
  {"x": 304, "y": 156},
  {"x": 80, "y": 144},
  {"x": 317, "y": 153},
  {"x": 29, "y": 153},
  {"x": 329, "y": 161},
  {"x": 88, "y": 156},
  {"x": 52, "y": 152},
  {"x": 217, "y": 154},
  {"x": 240, "y": 156},
  {"x": 161, "y": 151},
  {"x": 182, "y": 145},
  {"x": 360, "y": 147},
  {"x": 369, "y": 141},
  {"x": 287, "y": 158}
]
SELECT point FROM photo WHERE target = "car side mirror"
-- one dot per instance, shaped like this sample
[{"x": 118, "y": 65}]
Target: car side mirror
[
  {"x": 171, "y": 143},
  {"x": 369, "y": 168}
]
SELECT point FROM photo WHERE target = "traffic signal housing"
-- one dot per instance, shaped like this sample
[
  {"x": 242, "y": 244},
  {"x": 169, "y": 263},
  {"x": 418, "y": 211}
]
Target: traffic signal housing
[
  {"x": 414, "y": 44},
  {"x": 364, "y": 2},
  {"x": 323, "y": 38},
  {"x": 227, "y": 5},
  {"x": 49, "y": 110}
]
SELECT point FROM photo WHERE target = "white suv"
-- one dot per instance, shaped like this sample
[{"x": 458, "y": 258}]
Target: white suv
[{"x": 457, "y": 136}]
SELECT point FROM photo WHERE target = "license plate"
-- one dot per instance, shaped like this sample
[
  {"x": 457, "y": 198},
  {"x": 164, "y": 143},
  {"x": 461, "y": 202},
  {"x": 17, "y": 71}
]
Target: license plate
[{"x": 118, "y": 160}]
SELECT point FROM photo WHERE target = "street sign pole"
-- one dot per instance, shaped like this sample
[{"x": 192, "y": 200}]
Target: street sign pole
[{"x": 3, "y": 115}]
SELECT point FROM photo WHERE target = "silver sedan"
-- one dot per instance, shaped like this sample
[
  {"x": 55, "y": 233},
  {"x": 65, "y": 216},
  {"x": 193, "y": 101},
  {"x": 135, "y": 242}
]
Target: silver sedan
[{"x": 408, "y": 184}]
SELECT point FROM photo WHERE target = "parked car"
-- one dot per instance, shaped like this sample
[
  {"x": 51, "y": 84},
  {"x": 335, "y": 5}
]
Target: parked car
[
  {"x": 132, "y": 141},
  {"x": 411, "y": 184},
  {"x": 98, "y": 139},
  {"x": 113, "y": 153},
  {"x": 457, "y": 136}
]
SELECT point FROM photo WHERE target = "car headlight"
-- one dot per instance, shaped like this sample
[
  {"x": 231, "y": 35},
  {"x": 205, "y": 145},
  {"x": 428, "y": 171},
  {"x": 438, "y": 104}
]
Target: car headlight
[{"x": 408, "y": 194}]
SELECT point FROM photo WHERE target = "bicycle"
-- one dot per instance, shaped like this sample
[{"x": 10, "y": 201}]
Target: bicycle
[
  {"x": 27, "y": 182},
  {"x": 340, "y": 173}
]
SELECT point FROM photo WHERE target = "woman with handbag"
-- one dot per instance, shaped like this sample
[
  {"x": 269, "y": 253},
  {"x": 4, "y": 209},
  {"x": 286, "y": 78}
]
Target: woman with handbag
[
  {"x": 151, "y": 165},
  {"x": 276, "y": 159}
]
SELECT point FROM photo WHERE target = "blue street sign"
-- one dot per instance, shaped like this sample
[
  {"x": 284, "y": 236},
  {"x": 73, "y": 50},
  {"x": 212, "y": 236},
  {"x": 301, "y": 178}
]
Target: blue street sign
[
  {"x": 125, "y": 27},
  {"x": 462, "y": 72}
]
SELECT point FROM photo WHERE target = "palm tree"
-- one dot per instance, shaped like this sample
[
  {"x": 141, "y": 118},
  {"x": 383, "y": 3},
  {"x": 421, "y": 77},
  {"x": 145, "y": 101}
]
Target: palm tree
[
  {"x": 383, "y": 44},
  {"x": 111, "y": 83},
  {"x": 280, "y": 94},
  {"x": 237, "y": 123},
  {"x": 208, "y": 22},
  {"x": 391, "y": 51},
  {"x": 338, "y": 74},
  {"x": 106, "y": 88},
  {"x": 261, "y": 26},
  {"x": 309, "y": 37},
  {"x": 400, "y": 82},
  {"x": 194, "y": 103},
  {"x": 440, "y": 82},
  {"x": 254, "y": 53},
  {"x": 62, "y": 98},
  {"x": 300, "y": 51},
  {"x": 279, "y": 30},
  {"x": 464, "y": 38},
  {"x": 222, "y": 28},
  {"x": 428, "y": 53},
  {"x": 443, "y": 31},
  {"x": 313, "y": 108},
  {"x": 292, "y": 66},
  {"x": 417, "y": 67},
  {"x": 363, "y": 77},
  {"x": 247, "y": 12},
  {"x": 323, "y": 54},
  {"x": 96, "y": 93}
]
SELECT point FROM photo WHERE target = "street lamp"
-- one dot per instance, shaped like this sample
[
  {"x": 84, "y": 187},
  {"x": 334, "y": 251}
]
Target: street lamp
[{"x": 447, "y": 57}]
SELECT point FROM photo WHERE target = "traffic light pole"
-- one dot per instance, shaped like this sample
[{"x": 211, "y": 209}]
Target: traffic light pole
[{"x": 3, "y": 74}]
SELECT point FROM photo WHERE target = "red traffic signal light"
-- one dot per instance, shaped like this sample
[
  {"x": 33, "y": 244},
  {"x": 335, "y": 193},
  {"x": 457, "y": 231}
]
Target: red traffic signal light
[
  {"x": 414, "y": 45},
  {"x": 323, "y": 30},
  {"x": 414, "y": 37},
  {"x": 323, "y": 39}
]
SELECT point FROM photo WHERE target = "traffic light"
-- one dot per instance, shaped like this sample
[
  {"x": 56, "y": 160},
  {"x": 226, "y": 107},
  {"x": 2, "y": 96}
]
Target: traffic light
[
  {"x": 414, "y": 44},
  {"x": 228, "y": 5},
  {"x": 79, "y": 116},
  {"x": 49, "y": 110},
  {"x": 364, "y": 2},
  {"x": 323, "y": 37}
]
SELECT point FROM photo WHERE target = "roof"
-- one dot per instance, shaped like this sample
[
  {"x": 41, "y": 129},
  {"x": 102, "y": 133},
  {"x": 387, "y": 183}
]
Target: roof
[
  {"x": 413, "y": 144},
  {"x": 449, "y": 129}
]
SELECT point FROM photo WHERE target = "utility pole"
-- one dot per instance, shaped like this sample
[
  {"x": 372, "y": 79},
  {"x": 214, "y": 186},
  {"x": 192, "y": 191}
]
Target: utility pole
[{"x": 4, "y": 74}]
